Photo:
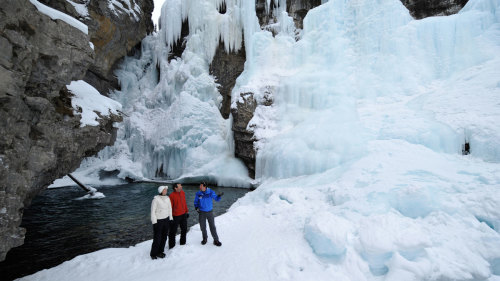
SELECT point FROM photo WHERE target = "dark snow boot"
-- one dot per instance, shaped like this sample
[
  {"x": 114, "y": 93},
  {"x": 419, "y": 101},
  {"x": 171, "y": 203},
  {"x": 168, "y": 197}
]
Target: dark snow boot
[
  {"x": 217, "y": 243},
  {"x": 204, "y": 242},
  {"x": 153, "y": 257},
  {"x": 161, "y": 255}
]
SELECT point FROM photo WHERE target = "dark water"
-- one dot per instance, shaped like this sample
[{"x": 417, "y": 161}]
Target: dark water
[{"x": 60, "y": 227}]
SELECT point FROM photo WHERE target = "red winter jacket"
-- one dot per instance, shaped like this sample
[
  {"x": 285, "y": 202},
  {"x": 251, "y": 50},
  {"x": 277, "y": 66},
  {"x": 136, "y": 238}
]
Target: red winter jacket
[{"x": 178, "y": 200}]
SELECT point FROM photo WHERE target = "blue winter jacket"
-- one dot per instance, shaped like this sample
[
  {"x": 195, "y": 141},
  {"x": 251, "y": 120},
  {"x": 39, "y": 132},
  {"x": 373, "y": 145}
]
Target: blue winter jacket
[{"x": 203, "y": 200}]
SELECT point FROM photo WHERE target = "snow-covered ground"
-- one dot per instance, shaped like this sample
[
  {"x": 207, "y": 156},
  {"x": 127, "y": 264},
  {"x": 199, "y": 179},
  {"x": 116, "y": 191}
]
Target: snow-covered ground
[
  {"x": 384, "y": 218},
  {"x": 362, "y": 175}
]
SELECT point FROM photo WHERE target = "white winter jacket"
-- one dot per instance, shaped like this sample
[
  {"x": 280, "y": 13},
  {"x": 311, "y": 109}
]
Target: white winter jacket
[{"x": 161, "y": 208}]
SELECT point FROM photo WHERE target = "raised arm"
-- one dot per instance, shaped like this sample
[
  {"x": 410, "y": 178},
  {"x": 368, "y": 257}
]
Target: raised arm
[{"x": 214, "y": 196}]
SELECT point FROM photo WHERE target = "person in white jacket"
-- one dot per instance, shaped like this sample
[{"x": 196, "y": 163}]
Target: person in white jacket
[{"x": 161, "y": 215}]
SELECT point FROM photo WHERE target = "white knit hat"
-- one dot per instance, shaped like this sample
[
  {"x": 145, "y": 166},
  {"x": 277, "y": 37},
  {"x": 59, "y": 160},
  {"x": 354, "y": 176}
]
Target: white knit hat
[{"x": 161, "y": 188}]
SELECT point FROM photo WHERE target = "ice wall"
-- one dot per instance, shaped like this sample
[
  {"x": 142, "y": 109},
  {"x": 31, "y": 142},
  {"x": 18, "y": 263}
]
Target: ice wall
[
  {"x": 361, "y": 150},
  {"x": 355, "y": 54}
]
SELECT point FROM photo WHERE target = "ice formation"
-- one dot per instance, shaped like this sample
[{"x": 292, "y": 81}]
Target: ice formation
[
  {"x": 174, "y": 129},
  {"x": 356, "y": 55}
]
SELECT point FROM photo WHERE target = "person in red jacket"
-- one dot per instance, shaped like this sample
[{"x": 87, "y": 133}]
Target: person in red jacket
[{"x": 180, "y": 213}]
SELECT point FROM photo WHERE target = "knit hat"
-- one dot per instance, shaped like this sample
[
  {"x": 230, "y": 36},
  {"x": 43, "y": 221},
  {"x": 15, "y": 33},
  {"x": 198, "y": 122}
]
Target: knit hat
[{"x": 161, "y": 188}]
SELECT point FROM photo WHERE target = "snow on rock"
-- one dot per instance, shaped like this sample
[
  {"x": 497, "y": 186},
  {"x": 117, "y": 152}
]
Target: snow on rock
[
  {"x": 95, "y": 195},
  {"x": 89, "y": 101},
  {"x": 80, "y": 8},
  {"x": 57, "y": 15},
  {"x": 130, "y": 8}
]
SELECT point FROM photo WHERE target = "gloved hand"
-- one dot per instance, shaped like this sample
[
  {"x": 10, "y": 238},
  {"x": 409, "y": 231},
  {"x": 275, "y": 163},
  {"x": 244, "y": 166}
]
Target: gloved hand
[
  {"x": 197, "y": 210},
  {"x": 220, "y": 194},
  {"x": 187, "y": 215}
]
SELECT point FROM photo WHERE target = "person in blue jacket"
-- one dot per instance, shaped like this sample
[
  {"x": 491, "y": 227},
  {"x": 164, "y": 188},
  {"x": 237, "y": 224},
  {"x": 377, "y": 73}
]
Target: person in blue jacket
[{"x": 203, "y": 205}]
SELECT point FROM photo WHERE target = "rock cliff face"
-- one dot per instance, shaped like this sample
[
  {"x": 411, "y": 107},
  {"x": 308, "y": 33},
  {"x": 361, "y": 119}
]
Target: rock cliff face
[
  {"x": 243, "y": 136},
  {"x": 114, "y": 29},
  {"x": 420, "y": 9},
  {"x": 226, "y": 68},
  {"x": 40, "y": 137}
]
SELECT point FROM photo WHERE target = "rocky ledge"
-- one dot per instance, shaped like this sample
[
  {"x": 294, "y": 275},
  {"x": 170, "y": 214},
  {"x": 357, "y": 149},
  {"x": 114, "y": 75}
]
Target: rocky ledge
[{"x": 420, "y": 9}]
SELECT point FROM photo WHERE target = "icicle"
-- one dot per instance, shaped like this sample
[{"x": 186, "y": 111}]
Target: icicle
[
  {"x": 206, "y": 23},
  {"x": 268, "y": 6}
]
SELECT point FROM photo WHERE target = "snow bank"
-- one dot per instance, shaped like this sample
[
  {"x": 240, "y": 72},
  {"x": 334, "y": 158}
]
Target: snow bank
[
  {"x": 88, "y": 101},
  {"x": 57, "y": 15}
]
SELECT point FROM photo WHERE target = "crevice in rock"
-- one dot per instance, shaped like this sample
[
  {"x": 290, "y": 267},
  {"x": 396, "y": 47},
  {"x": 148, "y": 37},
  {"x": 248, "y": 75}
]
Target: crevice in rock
[{"x": 226, "y": 68}]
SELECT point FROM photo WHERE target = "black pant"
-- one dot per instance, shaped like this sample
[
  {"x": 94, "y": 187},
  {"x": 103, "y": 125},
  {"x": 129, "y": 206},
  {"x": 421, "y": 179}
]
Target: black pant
[
  {"x": 178, "y": 221},
  {"x": 203, "y": 218},
  {"x": 160, "y": 234}
]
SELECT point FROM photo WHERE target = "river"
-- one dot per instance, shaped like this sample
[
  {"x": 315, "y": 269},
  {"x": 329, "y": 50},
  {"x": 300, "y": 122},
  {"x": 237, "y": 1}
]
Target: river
[{"x": 61, "y": 226}]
